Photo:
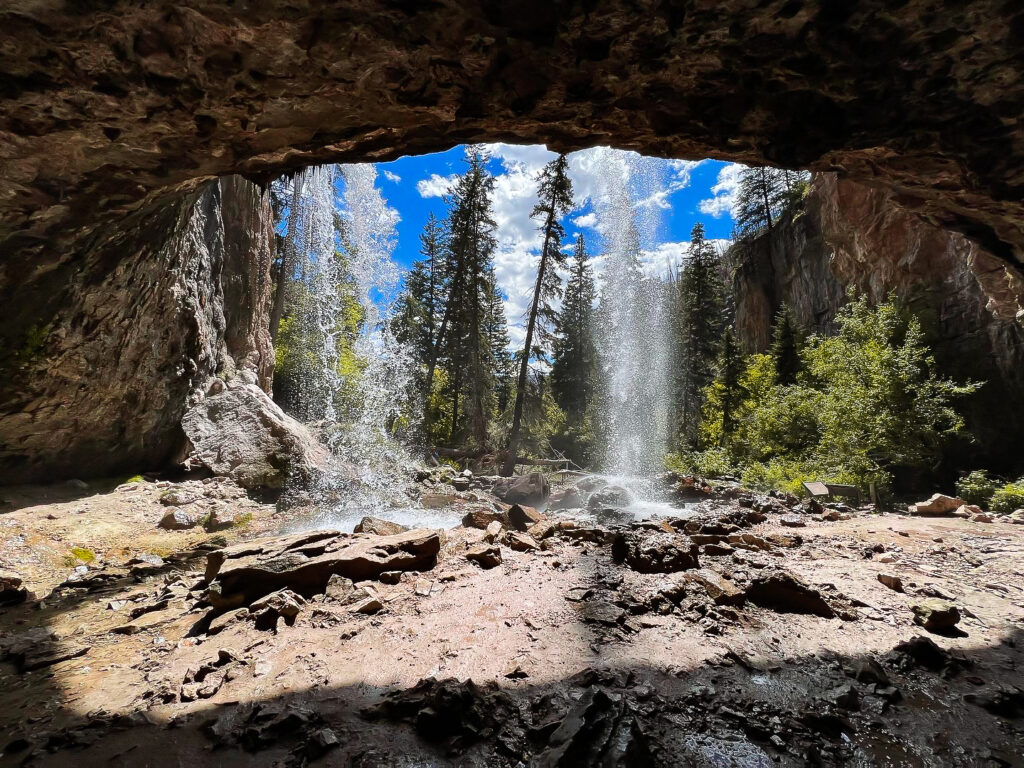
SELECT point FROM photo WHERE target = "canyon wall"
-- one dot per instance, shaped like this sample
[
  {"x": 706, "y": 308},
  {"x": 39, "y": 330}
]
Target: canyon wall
[
  {"x": 848, "y": 236},
  {"x": 105, "y": 349}
]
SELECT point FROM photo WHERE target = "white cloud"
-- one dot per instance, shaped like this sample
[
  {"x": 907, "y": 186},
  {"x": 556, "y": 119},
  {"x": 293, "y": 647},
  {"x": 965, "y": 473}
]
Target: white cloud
[
  {"x": 392, "y": 177},
  {"x": 588, "y": 220},
  {"x": 436, "y": 185},
  {"x": 724, "y": 191}
]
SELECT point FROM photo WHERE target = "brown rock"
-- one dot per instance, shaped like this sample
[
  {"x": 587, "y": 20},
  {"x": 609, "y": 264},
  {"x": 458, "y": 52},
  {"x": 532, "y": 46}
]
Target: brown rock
[
  {"x": 379, "y": 527},
  {"x": 11, "y": 589},
  {"x": 936, "y": 615},
  {"x": 655, "y": 551},
  {"x": 785, "y": 593},
  {"x": 521, "y": 542},
  {"x": 481, "y": 517},
  {"x": 719, "y": 589},
  {"x": 939, "y": 505},
  {"x": 487, "y": 555},
  {"x": 493, "y": 531},
  {"x": 176, "y": 519},
  {"x": 522, "y": 517},
  {"x": 892, "y": 582},
  {"x": 305, "y": 562},
  {"x": 438, "y": 500}
]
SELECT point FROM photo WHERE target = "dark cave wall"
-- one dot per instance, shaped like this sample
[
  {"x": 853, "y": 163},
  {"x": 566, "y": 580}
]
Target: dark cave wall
[
  {"x": 107, "y": 349},
  {"x": 850, "y": 236}
]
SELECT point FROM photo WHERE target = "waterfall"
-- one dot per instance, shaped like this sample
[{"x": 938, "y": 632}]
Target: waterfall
[
  {"x": 634, "y": 339},
  {"x": 352, "y": 376}
]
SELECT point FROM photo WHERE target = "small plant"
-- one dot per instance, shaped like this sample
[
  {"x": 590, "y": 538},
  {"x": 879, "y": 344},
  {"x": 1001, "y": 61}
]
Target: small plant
[
  {"x": 135, "y": 479},
  {"x": 977, "y": 488},
  {"x": 243, "y": 519},
  {"x": 1009, "y": 498},
  {"x": 79, "y": 555}
]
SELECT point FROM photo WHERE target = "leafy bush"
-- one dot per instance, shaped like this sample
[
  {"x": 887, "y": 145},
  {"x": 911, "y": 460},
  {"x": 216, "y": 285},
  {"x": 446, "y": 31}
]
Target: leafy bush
[
  {"x": 713, "y": 462},
  {"x": 977, "y": 488},
  {"x": 866, "y": 400},
  {"x": 1009, "y": 498}
]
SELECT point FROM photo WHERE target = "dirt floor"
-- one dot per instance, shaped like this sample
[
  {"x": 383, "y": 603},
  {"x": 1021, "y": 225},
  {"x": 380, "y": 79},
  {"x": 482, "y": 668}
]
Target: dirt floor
[{"x": 780, "y": 647}]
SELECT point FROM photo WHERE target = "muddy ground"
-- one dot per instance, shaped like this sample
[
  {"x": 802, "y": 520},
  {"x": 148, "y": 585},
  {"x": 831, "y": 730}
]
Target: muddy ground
[{"x": 779, "y": 647}]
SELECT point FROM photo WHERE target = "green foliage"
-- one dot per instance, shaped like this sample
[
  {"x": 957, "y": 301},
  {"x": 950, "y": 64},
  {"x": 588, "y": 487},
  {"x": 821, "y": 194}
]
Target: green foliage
[
  {"x": 79, "y": 555},
  {"x": 868, "y": 399},
  {"x": 977, "y": 488},
  {"x": 1009, "y": 498},
  {"x": 711, "y": 462},
  {"x": 135, "y": 479}
]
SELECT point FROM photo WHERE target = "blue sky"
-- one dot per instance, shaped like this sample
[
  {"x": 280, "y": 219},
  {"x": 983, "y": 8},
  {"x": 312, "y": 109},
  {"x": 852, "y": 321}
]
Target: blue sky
[{"x": 669, "y": 197}]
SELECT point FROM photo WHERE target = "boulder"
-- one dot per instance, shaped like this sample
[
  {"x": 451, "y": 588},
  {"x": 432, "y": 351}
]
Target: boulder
[
  {"x": 719, "y": 589},
  {"x": 968, "y": 511},
  {"x": 437, "y": 500},
  {"x": 939, "y": 505},
  {"x": 493, "y": 531},
  {"x": 487, "y": 555},
  {"x": 601, "y": 729},
  {"x": 306, "y": 562},
  {"x": 482, "y": 517},
  {"x": 609, "y": 497},
  {"x": 521, "y": 542},
  {"x": 176, "y": 519},
  {"x": 1016, "y": 517},
  {"x": 11, "y": 588},
  {"x": 650, "y": 551},
  {"x": 532, "y": 489},
  {"x": 282, "y": 604},
  {"x": 785, "y": 593},
  {"x": 591, "y": 483},
  {"x": 179, "y": 497},
  {"x": 892, "y": 582},
  {"x": 936, "y": 615},
  {"x": 793, "y": 521},
  {"x": 378, "y": 527},
  {"x": 243, "y": 434},
  {"x": 220, "y": 519},
  {"x": 567, "y": 498},
  {"x": 522, "y": 517}
]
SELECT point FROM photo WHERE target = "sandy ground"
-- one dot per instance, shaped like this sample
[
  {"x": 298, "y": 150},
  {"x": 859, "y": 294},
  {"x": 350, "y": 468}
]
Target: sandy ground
[{"x": 701, "y": 684}]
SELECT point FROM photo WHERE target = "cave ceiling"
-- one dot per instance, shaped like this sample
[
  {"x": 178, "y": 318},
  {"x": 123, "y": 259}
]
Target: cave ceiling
[{"x": 109, "y": 107}]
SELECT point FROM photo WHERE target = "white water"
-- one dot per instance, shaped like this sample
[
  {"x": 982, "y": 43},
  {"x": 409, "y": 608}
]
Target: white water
[{"x": 635, "y": 337}]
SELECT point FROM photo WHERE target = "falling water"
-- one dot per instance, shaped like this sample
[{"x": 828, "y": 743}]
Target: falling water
[{"x": 635, "y": 339}]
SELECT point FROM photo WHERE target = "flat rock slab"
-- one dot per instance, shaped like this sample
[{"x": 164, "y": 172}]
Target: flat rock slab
[{"x": 306, "y": 562}]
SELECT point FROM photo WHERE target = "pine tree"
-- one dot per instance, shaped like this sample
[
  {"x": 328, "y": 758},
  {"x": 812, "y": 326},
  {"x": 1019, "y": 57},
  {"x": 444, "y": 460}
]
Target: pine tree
[
  {"x": 761, "y": 197},
  {"x": 575, "y": 356},
  {"x": 498, "y": 342},
  {"x": 785, "y": 348},
  {"x": 700, "y": 318},
  {"x": 555, "y": 200},
  {"x": 460, "y": 336},
  {"x": 730, "y": 372}
]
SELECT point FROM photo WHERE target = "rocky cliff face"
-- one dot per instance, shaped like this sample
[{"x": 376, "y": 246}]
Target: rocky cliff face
[
  {"x": 107, "y": 349},
  {"x": 850, "y": 236}
]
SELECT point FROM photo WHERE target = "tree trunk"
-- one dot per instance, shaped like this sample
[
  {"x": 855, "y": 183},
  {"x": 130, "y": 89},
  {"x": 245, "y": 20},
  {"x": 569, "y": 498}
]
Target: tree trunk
[{"x": 509, "y": 467}]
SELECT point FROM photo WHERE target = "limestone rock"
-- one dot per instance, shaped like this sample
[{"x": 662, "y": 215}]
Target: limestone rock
[
  {"x": 532, "y": 489},
  {"x": 939, "y": 505},
  {"x": 379, "y": 527},
  {"x": 179, "y": 519},
  {"x": 936, "y": 615},
  {"x": 243, "y": 434},
  {"x": 305, "y": 562},
  {"x": 486, "y": 555},
  {"x": 655, "y": 551}
]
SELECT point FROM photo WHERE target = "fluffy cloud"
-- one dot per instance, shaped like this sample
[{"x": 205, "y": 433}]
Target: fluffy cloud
[
  {"x": 724, "y": 191},
  {"x": 394, "y": 178},
  {"x": 436, "y": 185}
]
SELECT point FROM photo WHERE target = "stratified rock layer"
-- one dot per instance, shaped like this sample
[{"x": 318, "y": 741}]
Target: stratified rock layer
[{"x": 109, "y": 346}]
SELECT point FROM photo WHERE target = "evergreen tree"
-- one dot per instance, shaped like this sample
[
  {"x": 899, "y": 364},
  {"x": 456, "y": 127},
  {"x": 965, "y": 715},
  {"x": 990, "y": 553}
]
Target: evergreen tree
[
  {"x": 575, "y": 356},
  {"x": 731, "y": 367},
  {"x": 460, "y": 336},
  {"x": 786, "y": 345},
  {"x": 555, "y": 200},
  {"x": 700, "y": 318},
  {"x": 761, "y": 197},
  {"x": 498, "y": 342}
]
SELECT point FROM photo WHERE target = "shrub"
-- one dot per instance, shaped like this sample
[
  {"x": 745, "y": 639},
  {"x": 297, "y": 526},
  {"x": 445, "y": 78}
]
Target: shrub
[
  {"x": 977, "y": 488},
  {"x": 713, "y": 462},
  {"x": 1009, "y": 498}
]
